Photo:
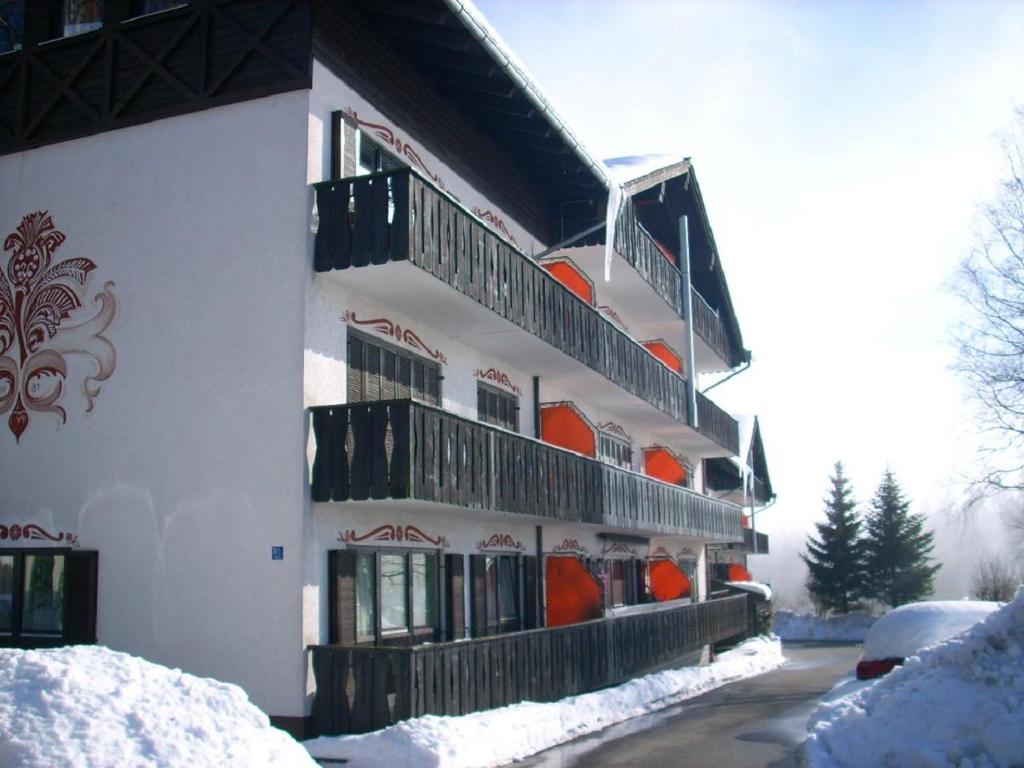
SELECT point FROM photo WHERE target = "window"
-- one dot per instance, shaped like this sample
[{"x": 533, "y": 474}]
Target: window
[
  {"x": 78, "y": 16},
  {"x": 689, "y": 566},
  {"x": 395, "y": 595},
  {"x": 627, "y": 581},
  {"x": 380, "y": 372},
  {"x": 47, "y": 597},
  {"x": 498, "y": 594},
  {"x": 496, "y": 407},
  {"x": 371, "y": 157},
  {"x": 615, "y": 451},
  {"x": 12, "y": 25}
]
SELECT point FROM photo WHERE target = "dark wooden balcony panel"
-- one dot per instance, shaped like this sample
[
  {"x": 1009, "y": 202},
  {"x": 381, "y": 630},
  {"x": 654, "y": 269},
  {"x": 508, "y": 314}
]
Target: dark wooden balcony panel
[
  {"x": 709, "y": 326},
  {"x": 400, "y": 216},
  {"x": 748, "y": 542},
  {"x": 361, "y": 689},
  {"x": 640, "y": 250},
  {"x": 717, "y": 425},
  {"x": 404, "y": 450},
  {"x": 201, "y": 55}
]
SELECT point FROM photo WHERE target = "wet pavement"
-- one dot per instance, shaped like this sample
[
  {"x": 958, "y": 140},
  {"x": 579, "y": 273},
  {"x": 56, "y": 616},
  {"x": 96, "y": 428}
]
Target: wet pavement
[{"x": 755, "y": 723}]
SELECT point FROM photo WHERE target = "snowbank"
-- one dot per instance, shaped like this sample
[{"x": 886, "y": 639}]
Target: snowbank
[
  {"x": 91, "y": 706},
  {"x": 755, "y": 587},
  {"x": 499, "y": 736},
  {"x": 849, "y": 628},
  {"x": 909, "y": 628},
  {"x": 959, "y": 703}
]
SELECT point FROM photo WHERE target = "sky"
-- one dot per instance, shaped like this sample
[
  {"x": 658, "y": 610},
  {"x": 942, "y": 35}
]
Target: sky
[{"x": 843, "y": 149}]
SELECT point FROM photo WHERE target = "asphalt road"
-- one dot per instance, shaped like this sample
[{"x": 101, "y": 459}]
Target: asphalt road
[{"x": 755, "y": 723}]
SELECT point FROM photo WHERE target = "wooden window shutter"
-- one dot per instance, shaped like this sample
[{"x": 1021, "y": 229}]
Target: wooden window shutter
[
  {"x": 80, "y": 582},
  {"x": 341, "y": 566},
  {"x": 373, "y": 387},
  {"x": 531, "y": 609},
  {"x": 404, "y": 388},
  {"x": 455, "y": 597},
  {"x": 478, "y": 594},
  {"x": 356, "y": 369},
  {"x": 432, "y": 385},
  {"x": 388, "y": 375}
]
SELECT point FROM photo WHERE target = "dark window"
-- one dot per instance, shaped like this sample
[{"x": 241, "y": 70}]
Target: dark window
[
  {"x": 371, "y": 157},
  {"x": 615, "y": 451},
  {"x": 78, "y": 16},
  {"x": 395, "y": 595},
  {"x": 498, "y": 595},
  {"x": 12, "y": 25},
  {"x": 627, "y": 581},
  {"x": 47, "y": 597},
  {"x": 689, "y": 567},
  {"x": 381, "y": 372},
  {"x": 496, "y": 407}
]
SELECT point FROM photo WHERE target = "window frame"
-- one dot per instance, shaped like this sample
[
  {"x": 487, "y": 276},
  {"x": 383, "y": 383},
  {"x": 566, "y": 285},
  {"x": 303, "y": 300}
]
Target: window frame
[
  {"x": 411, "y": 631},
  {"x": 412, "y": 357},
  {"x": 502, "y": 624},
  {"x": 484, "y": 390},
  {"x": 75, "y": 629},
  {"x": 616, "y": 442}
]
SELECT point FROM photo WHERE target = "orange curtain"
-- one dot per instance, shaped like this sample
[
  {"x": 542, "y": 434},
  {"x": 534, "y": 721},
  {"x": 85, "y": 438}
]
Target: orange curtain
[
  {"x": 663, "y": 465},
  {"x": 738, "y": 573},
  {"x": 668, "y": 581},
  {"x": 573, "y": 594},
  {"x": 573, "y": 279},
  {"x": 561, "y": 425},
  {"x": 664, "y": 353}
]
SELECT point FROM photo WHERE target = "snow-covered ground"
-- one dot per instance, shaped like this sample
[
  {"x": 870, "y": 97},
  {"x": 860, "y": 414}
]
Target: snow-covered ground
[
  {"x": 499, "y": 736},
  {"x": 906, "y": 630},
  {"x": 959, "y": 704},
  {"x": 849, "y": 628},
  {"x": 91, "y": 706}
]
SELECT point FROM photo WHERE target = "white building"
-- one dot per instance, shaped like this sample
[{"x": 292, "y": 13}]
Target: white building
[{"x": 306, "y": 348}]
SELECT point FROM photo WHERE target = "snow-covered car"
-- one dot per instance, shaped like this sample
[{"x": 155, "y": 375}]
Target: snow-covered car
[{"x": 910, "y": 628}]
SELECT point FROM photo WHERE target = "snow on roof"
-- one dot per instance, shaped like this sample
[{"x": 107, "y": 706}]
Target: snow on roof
[
  {"x": 912, "y": 628},
  {"x": 630, "y": 169},
  {"x": 959, "y": 703},
  {"x": 89, "y": 705},
  {"x": 753, "y": 586}
]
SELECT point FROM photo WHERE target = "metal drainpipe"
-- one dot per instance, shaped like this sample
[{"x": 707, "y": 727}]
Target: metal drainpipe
[
  {"x": 536, "y": 407},
  {"x": 753, "y": 501},
  {"x": 684, "y": 265}
]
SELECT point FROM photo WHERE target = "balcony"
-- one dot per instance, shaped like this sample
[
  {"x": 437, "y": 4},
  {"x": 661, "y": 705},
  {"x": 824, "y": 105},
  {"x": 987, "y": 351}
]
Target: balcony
[
  {"x": 421, "y": 243},
  {"x": 400, "y": 449},
  {"x": 748, "y": 542},
  {"x": 652, "y": 270},
  {"x": 361, "y": 689}
]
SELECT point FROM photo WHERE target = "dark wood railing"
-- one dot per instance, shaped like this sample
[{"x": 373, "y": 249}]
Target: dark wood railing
[
  {"x": 361, "y": 689},
  {"x": 400, "y": 216},
  {"x": 715, "y": 424},
  {"x": 640, "y": 250},
  {"x": 748, "y": 542},
  {"x": 400, "y": 449}
]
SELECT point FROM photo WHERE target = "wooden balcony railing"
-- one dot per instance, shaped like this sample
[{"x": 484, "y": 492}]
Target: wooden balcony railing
[
  {"x": 400, "y": 216},
  {"x": 400, "y": 449},
  {"x": 361, "y": 689},
  {"x": 717, "y": 425},
  {"x": 748, "y": 541},
  {"x": 640, "y": 250}
]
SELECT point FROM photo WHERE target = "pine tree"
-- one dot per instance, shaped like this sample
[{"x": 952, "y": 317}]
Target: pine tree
[
  {"x": 836, "y": 559},
  {"x": 897, "y": 548}
]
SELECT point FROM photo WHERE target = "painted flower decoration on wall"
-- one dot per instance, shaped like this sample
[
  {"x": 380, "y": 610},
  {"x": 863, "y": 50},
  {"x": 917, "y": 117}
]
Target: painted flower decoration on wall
[{"x": 37, "y": 298}]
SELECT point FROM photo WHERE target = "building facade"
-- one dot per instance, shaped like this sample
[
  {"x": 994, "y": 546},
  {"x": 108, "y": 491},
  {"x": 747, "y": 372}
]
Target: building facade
[{"x": 311, "y": 374}]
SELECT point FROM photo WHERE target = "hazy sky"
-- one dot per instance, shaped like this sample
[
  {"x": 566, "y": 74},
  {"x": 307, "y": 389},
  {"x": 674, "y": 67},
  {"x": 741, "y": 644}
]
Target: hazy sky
[{"x": 842, "y": 150}]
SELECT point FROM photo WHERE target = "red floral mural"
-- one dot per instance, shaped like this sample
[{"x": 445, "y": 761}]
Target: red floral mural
[
  {"x": 497, "y": 222},
  {"x": 401, "y": 148},
  {"x": 396, "y": 331},
  {"x": 570, "y": 545},
  {"x": 498, "y": 377},
  {"x": 33, "y": 532},
  {"x": 37, "y": 299},
  {"x": 408, "y": 534},
  {"x": 501, "y": 541}
]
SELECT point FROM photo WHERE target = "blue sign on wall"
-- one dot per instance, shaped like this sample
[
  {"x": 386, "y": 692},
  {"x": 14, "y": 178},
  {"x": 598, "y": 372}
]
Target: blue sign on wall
[{"x": 277, "y": 553}]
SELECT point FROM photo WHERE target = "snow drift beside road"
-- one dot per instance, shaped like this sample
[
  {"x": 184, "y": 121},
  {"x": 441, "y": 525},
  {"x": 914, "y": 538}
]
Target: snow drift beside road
[
  {"x": 909, "y": 628},
  {"x": 959, "y": 703},
  {"x": 849, "y": 628},
  {"x": 91, "y": 706},
  {"x": 499, "y": 736}
]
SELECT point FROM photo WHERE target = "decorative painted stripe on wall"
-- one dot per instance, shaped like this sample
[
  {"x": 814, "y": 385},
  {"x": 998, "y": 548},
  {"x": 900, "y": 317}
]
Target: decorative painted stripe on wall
[{"x": 395, "y": 331}]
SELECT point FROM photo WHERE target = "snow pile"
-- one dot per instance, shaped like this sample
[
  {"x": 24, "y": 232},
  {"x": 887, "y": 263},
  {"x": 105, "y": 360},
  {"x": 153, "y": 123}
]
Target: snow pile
[
  {"x": 909, "y": 628},
  {"x": 499, "y": 736},
  {"x": 848, "y": 628},
  {"x": 959, "y": 704},
  {"x": 91, "y": 706},
  {"x": 755, "y": 587}
]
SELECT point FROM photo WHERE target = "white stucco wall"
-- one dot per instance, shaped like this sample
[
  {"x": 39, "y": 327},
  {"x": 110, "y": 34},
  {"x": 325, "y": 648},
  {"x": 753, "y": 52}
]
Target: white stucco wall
[{"x": 191, "y": 465}]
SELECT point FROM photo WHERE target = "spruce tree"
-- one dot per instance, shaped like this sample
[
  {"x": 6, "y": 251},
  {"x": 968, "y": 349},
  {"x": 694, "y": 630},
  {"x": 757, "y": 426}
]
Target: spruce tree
[
  {"x": 897, "y": 548},
  {"x": 836, "y": 559}
]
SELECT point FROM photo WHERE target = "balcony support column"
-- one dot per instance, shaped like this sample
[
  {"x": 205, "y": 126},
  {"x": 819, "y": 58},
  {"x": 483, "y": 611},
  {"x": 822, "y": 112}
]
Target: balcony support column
[{"x": 687, "y": 289}]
